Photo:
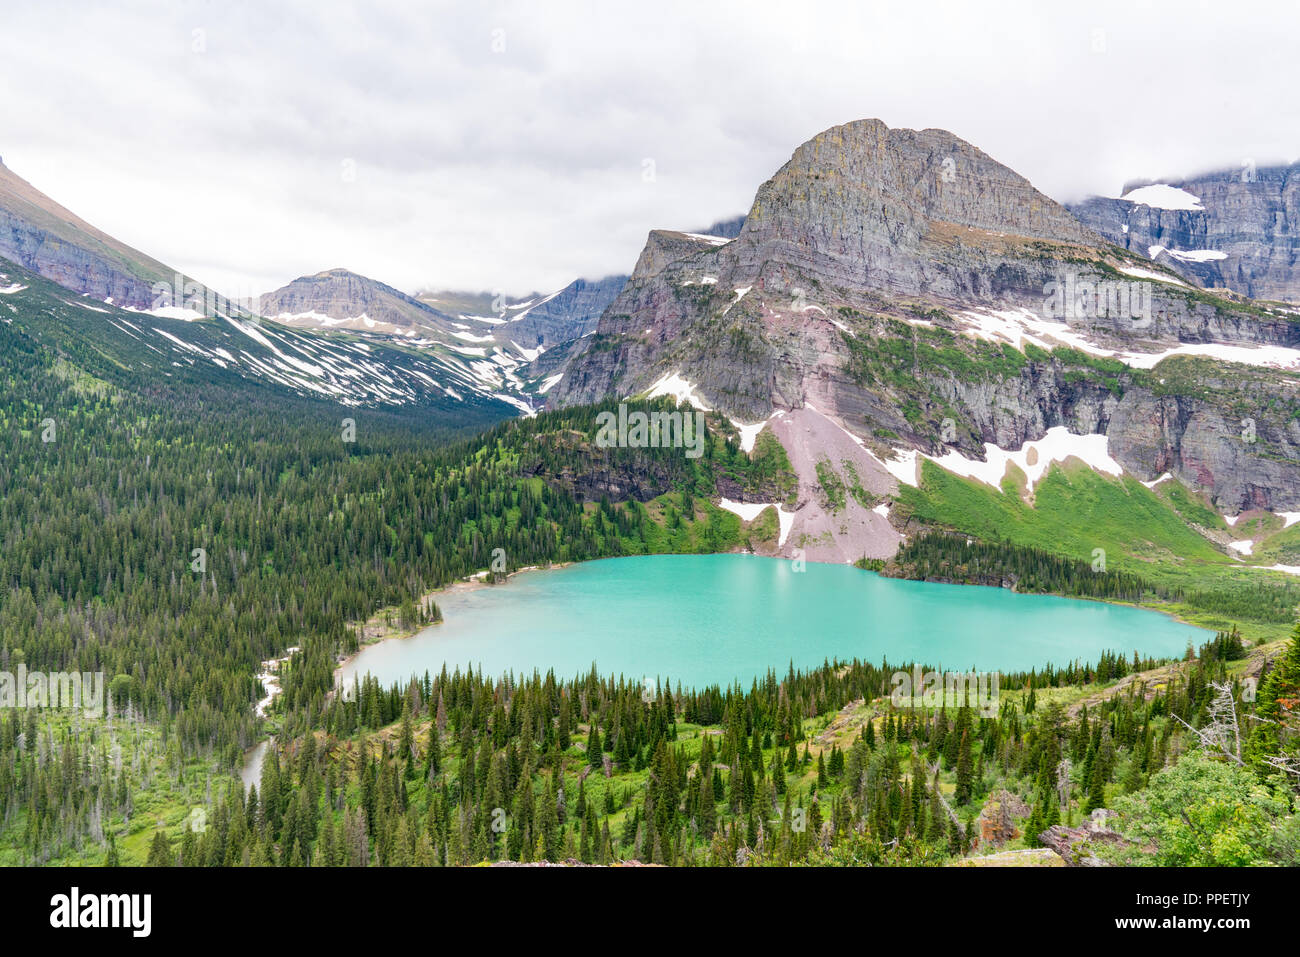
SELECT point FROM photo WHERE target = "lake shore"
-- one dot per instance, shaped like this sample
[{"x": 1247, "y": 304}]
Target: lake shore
[{"x": 376, "y": 631}]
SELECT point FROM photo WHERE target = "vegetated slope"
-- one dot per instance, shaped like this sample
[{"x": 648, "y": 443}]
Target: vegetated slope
[
  {"x": 1107, "y": 525},
  {"x": 822, "y": 767}
]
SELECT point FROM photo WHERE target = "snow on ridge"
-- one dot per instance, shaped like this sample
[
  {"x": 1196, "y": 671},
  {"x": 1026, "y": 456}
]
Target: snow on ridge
[
  {"x": 1245, "y": 547},
  {"x": 549, "y": 382},
  {"x": 1288, "y": 518},
  {"x": 10, "y": 290},
  {"x": 1137, "y": 272},
  {"x": 1021, "y": 326},
  {"x": 530, "y": 305},
  {"x": 1163, "y": 196},
  {"x": 1156, "y": 481}
]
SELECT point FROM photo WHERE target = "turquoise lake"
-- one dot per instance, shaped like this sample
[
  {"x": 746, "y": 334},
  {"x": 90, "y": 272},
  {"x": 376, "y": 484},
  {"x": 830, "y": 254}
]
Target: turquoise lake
[{"x": 701, "y": 619}]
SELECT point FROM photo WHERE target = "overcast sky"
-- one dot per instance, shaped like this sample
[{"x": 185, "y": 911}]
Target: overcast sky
[{"x": 515, "y": 146}]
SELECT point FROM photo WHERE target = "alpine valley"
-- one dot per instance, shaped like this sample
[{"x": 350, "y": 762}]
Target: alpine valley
[{"x": 907, "y": 360}]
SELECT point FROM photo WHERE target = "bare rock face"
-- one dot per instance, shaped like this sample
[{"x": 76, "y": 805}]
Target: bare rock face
[
  {"x": 569, "y": 314},
  {"x": 859, "y": 283},
  {"x": 1245, "y": 237}
]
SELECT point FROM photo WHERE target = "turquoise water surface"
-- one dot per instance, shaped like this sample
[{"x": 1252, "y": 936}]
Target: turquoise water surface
[{"x": 700, "y": 619}]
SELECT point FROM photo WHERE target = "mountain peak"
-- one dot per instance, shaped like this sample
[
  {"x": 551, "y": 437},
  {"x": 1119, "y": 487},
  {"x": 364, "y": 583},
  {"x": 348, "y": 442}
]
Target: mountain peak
[{"x": 905, "y": 186}]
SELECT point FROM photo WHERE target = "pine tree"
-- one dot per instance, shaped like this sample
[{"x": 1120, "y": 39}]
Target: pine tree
[
  {"x": 160, "y": 852},
  {"x": 965, "y": 777}
]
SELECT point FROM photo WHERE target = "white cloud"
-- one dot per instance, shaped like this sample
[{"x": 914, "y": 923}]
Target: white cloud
[{"x": 223, "y": 152}]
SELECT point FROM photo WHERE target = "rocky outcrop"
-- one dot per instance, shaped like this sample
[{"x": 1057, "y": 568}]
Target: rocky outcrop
[
  {"x": 1077, "y": 846},
  {"x": 1245, "y": 236}
]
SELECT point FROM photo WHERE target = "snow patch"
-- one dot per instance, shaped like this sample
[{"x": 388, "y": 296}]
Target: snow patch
[
  {"x": 470, "y": 337},
  {"x": 1198, "y": 255},
  {"x": 1057, "y": 445},
  {"x": 905, "y": 468},
  {"x": 748, "y": 433},
  {"x": 1137, "y": 272},
  {"x": 1021, "y": 326},
  {"x": 748, "y": 511},
  {"x": 1163, "y": 196},
  {"x": 680, "y": 389}
]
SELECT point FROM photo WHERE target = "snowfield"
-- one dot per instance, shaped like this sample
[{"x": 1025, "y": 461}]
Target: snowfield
[
  {"x": 1163, "y": 196},
  {"x": 1021, "y": 326},
  {"x": 1033, "y": 458}
]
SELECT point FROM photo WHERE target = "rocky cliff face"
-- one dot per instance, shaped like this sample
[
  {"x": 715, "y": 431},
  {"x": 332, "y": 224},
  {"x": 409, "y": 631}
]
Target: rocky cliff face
[
  {"x": 38, "y": 234},
  {"x": 897, "y": 281},
  {"x": 1243, "y": 235},
  {"x": 569, "y": 314}
]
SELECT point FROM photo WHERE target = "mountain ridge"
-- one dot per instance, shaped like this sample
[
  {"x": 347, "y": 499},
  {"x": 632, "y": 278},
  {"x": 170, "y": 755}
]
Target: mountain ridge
[{"x": 39, "y": 234}]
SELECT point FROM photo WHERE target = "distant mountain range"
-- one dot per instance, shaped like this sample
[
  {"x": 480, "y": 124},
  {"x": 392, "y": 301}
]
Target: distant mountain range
[
  {"x": 439, "y": 347},
  {"x": 895, "y": 305}
]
